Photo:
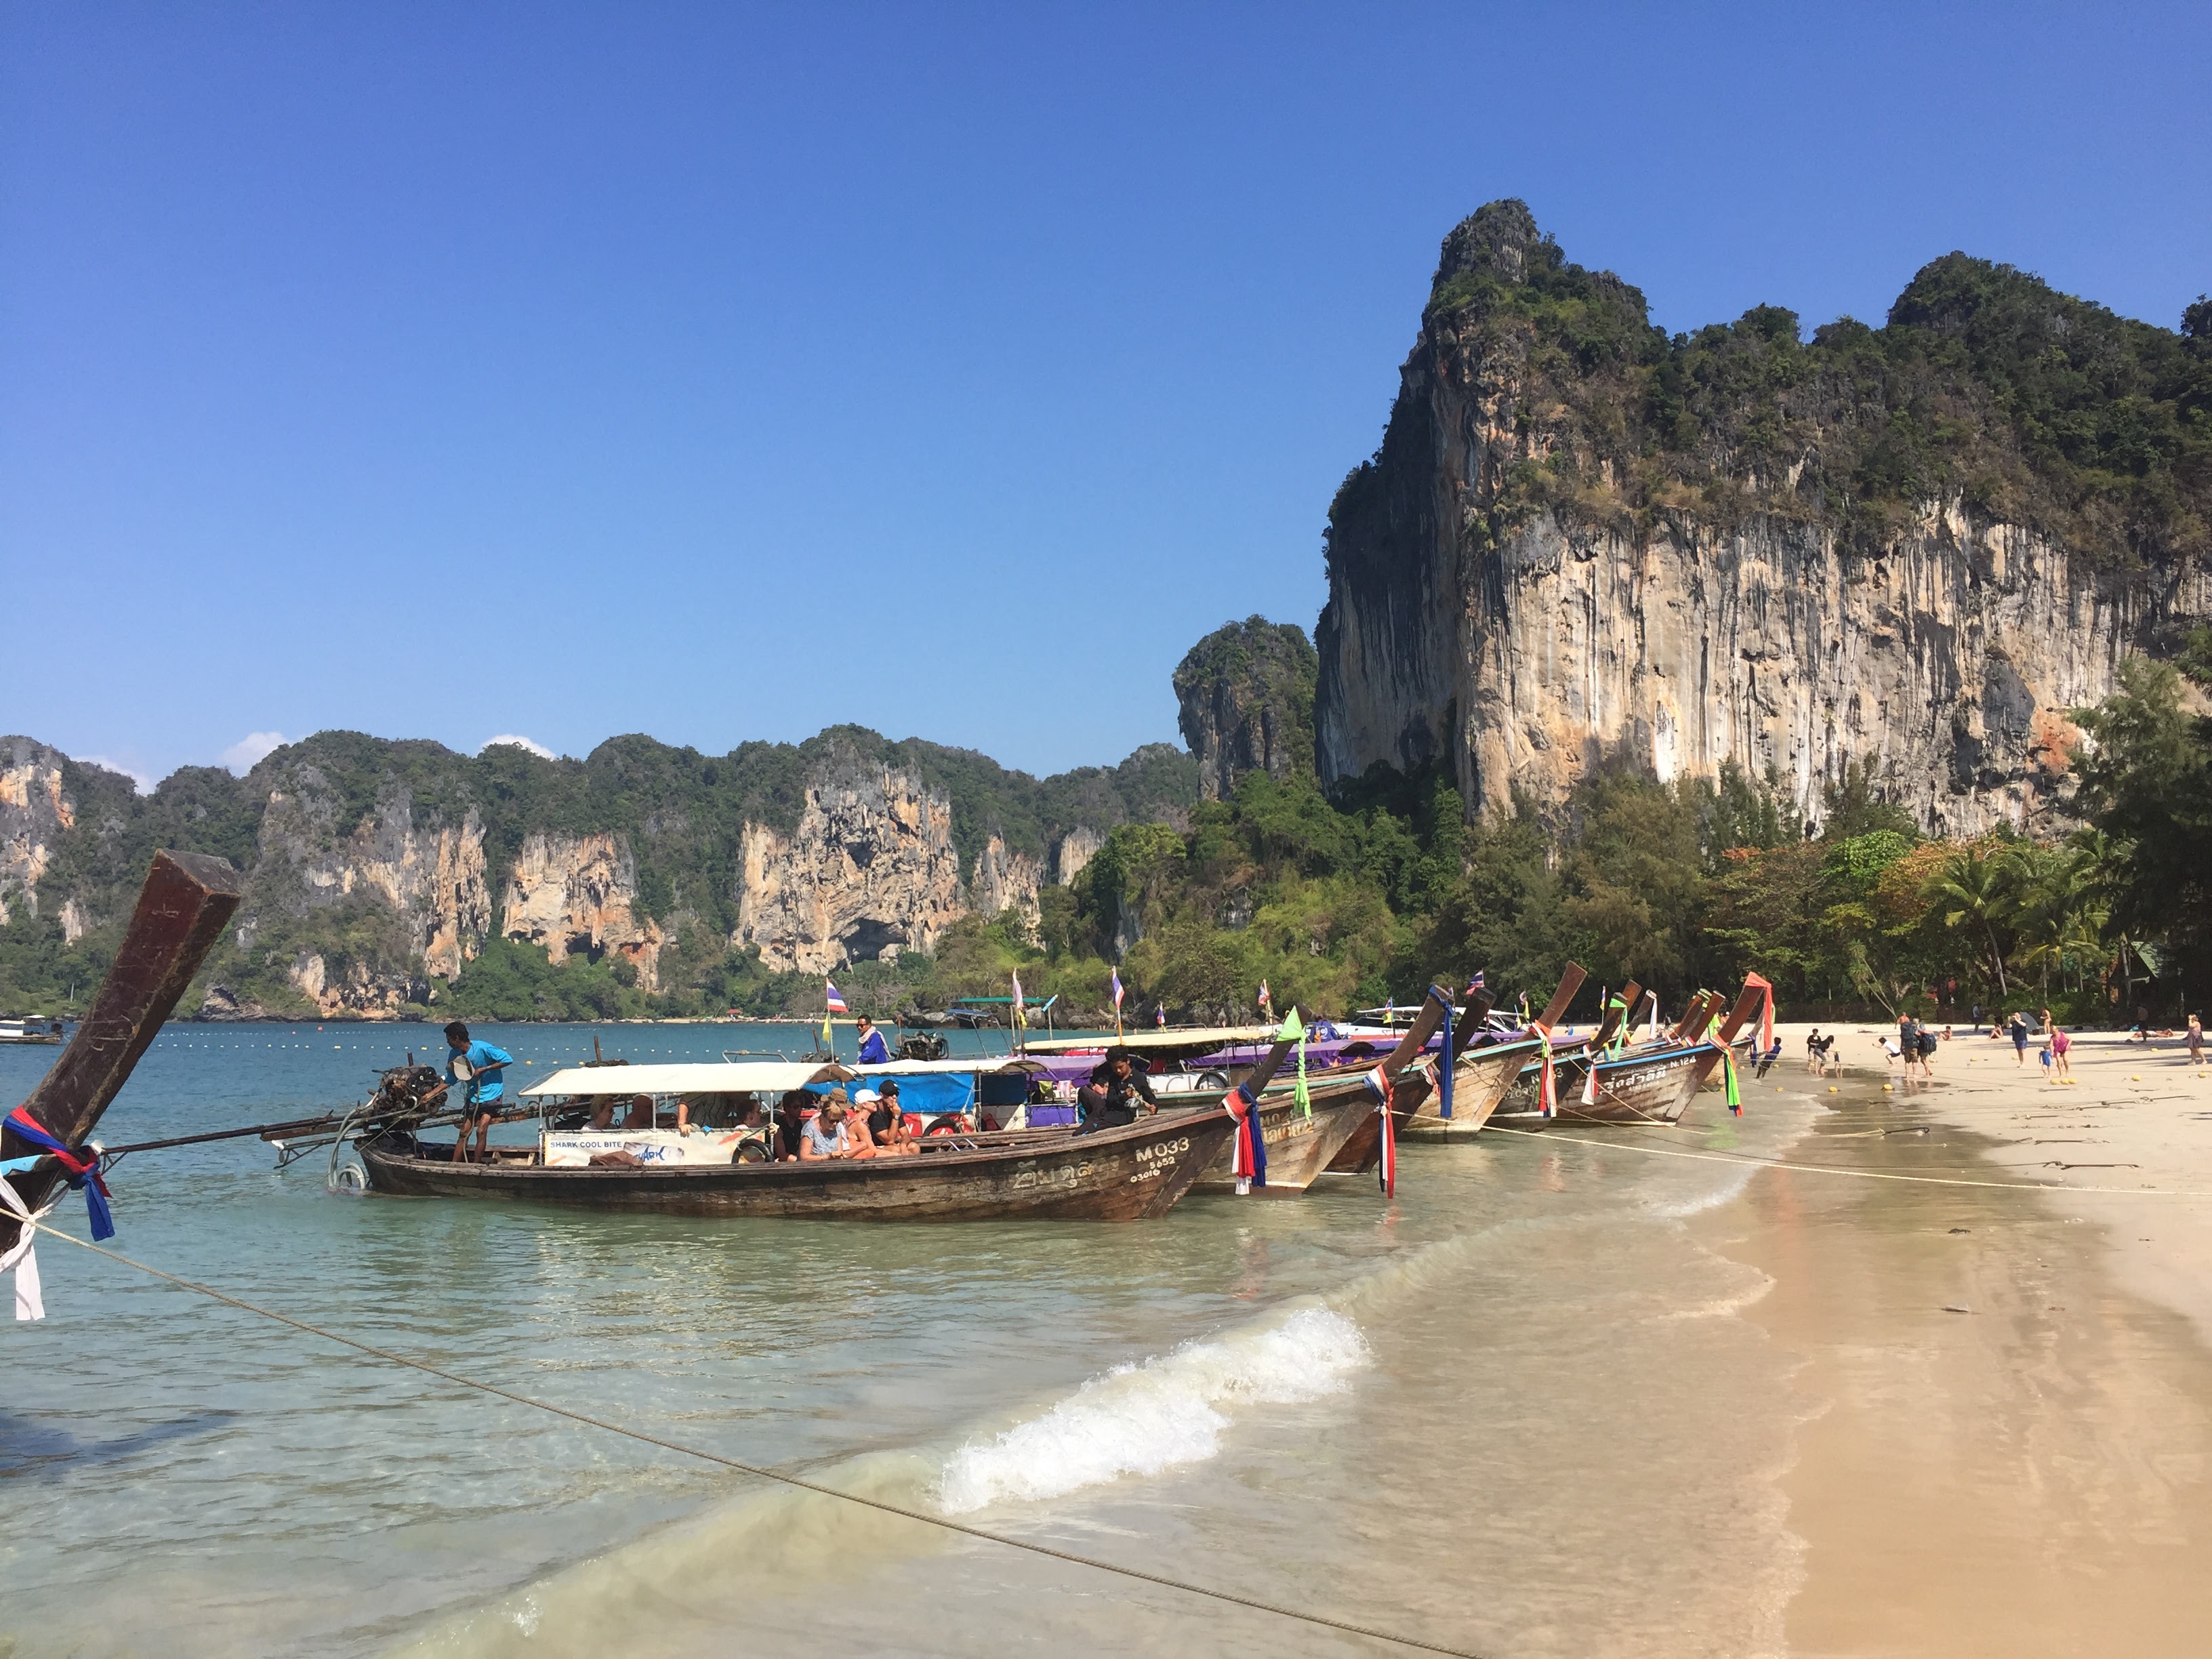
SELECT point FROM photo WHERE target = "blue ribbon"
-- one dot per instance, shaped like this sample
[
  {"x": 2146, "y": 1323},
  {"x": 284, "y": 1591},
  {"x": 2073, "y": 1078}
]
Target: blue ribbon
[
  {"x": 80, "y": 1170},
  {"x": 1445, "y": 1071}
]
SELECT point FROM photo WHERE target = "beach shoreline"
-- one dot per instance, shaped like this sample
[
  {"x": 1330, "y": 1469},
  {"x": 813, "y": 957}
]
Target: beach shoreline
[{"x": 2006, "y": 1427}]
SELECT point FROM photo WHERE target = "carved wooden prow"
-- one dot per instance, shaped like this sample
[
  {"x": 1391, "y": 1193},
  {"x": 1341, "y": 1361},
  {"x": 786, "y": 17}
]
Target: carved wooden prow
[
  {"x": 1617, "y": 1015},
  {"x": 1473, "y": 1018},
  {"x": 1424, "y": 1026},
  {"x": 1270, "y": 1063},
  {"x": 1695, "y": 1017},
  {"x": 182, "y": 909},
  {"x": 1745, "y": 1010},
  {"x": 1556, "y": 1009}
]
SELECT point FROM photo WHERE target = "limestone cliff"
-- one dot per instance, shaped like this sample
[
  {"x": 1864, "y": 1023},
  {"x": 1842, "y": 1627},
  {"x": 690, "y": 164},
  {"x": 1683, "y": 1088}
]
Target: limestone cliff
[
  {"x": 1580, "y": 539},
  {"x": 578, "y": 894},
  {"x": 869, "y": 871},
  {"x": 1244, "y": 698},
  {"x": 34, "y": 813}
]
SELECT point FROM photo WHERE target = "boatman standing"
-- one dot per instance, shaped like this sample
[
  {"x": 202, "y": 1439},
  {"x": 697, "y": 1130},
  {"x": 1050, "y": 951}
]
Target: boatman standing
[
  {"x": 477, "y": 1069},
  {"x": 1116, "y": 1093},
  {"x": 872, "y": 1049}
]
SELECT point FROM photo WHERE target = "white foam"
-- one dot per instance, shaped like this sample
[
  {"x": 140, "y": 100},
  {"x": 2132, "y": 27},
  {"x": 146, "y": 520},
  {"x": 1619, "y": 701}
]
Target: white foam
[{"x": 1141, "y": 1419}]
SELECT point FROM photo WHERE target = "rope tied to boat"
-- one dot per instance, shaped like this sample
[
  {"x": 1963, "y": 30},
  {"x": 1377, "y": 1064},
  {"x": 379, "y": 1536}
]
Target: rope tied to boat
[
  {"x": 1184, "y": 1585},
  {"x": 81, "y": 1169}
]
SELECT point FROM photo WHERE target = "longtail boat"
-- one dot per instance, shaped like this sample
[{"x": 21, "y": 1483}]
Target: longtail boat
[
  {"x": 1655, "y": 1083},
  {"x": 1121, "y": 1174},
  {"x": 1302, "y": 1144},
  {"x": 187, "y": 899},
  {"x": 1409, "y": 1089},
  {"x": 1483, "y": 1075}
]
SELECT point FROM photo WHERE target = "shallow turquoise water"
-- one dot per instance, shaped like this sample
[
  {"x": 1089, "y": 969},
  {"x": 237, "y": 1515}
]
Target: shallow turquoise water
[{"x": 1353, "y": 1403}]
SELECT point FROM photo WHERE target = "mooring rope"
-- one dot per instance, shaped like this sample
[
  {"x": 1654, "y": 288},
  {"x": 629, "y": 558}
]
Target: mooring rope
[
  {"x": 754, "y": 1469},
  {"x": 1758, "y": 1162}
]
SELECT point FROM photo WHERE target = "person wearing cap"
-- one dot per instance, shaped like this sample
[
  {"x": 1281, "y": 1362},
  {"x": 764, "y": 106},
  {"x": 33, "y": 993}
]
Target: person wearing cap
[
  {"x": 478, "y": 1068},
  {"x": 1117, "y": 1091},
  {"x": 886, "y": 1123},
  {"x": 873, "y": 1050}
]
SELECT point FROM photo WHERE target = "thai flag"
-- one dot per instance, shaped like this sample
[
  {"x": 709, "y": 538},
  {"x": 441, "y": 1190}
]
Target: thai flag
[
  {"x": 1385, "y": 1167},
  {"x": 1160, "y": 1015},
  {"x": 1474, "y": 984},
  {"x": 1116, "y": 975},
  {"x": 1267, "y": 1002},
  {"x": 836, "y": 998}
]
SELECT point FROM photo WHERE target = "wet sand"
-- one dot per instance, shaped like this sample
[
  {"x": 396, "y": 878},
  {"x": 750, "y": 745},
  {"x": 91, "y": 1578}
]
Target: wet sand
[{"x": 2007, "y": 1394}]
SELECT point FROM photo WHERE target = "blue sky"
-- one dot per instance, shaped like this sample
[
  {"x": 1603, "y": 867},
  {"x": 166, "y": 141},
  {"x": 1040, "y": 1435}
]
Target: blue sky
[{"x": 459, "y": 371}]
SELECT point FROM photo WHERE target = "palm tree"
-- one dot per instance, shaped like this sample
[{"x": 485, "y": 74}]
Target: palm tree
[{"x": 1980, "y": 890}]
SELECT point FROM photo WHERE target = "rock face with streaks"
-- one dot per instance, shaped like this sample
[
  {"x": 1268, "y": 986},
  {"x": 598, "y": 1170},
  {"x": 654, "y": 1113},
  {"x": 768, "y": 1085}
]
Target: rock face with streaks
[
  {"x": 577, "y": 894},
  {"x": 1580, "y": 542},
  {"x": 869, "y": 871},
  {"x": 1244, "y": 697},
  {"x": 34, "y": 812}
]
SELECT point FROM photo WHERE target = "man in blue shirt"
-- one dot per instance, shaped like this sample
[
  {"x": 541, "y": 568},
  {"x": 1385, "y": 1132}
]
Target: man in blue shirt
[
  {"x": 873, "y": 1050},
  {"x": 474, "y": 1083}
]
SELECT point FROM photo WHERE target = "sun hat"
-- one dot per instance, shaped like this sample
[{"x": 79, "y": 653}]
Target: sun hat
[{"x": 867, "y": 1097}]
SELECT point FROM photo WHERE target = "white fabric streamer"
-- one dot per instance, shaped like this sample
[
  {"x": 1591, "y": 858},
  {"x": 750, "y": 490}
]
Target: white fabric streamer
[{"x": 23, "y": 1259}]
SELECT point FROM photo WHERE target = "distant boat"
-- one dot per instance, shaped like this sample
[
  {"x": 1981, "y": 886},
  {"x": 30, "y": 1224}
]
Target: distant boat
[{"x": 36, "y": 1028}]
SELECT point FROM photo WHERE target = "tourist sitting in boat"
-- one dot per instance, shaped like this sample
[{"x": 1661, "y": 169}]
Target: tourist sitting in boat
[
  {"x": 639, "y": 1115},
  {"x": 603, "y": 1114},
  {"x": 791, "y": 1113},
  {"x": 888, "y": 1123},
  {"x": 877, "y": 1125},
  {"x": 824, "y": 1135},
  {"x": 479, "y": 1070},
  {"x": 873, "y": 1050},
  {"x": 1116, "y": 1093}
]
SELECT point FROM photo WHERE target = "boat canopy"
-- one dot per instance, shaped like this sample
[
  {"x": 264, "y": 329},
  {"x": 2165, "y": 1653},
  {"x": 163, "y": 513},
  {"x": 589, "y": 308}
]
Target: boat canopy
[
  {"x": 896, "y": 1067},
  {"x": 714, "y": 1077},
  {"x": 1200, "y": 1039}
]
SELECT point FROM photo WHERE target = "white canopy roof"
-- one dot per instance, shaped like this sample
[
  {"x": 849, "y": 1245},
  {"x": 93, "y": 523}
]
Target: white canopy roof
[
  {"x": 1212, "y": 1036},
  {"x": 950, "y": 1067},
  {"x": 713, "y": 1077}
]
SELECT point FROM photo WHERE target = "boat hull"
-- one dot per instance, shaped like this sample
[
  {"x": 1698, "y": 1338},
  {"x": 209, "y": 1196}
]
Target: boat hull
[
  {"x": 1481, "y": 1085},
  {"x": 1115, "y": 1175},
  {"x": 1299, "y": 1145},
  {"x": 1364, "y": 1144}
]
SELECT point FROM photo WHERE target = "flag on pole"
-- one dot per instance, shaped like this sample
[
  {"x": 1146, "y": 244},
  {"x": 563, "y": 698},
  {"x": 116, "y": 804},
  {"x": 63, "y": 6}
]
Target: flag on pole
[
  {"x": 1115, "y": 974},
  {"x": 1267, "y": 1002},
  {"x": 836, "y": 999},
  {"x": 1474, "y": 984},
  {"x": 1160, "y": 1015},
  {"x": 1021, "y": 1016}
]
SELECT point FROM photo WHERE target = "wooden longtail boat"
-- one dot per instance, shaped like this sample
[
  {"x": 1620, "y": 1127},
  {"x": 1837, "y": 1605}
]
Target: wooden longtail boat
[
  {"x": 1411, "y": 1086},
  {"x": 1112, "y": 1175},
  {"x": 182, "y": 909},
  {"x": 1481, "y": 1077},
  {"x": 1656, "y": 1085},
  {"x": 1302, "y": 1145}
]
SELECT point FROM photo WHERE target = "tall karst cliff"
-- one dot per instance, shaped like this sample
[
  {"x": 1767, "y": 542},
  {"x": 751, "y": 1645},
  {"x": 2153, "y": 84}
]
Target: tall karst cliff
[
  {"x": 377, "y": 870},
  {"x": 1920, "y": 544},
  {"x": 1244, "y": 698}
]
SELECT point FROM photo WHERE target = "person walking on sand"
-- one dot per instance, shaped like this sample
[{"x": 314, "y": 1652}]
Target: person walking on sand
[
  {"x": 2061, "y": 1046},
  {"x": 2018, "y": 1028},
  {"x": 2196, "y": 1041}
]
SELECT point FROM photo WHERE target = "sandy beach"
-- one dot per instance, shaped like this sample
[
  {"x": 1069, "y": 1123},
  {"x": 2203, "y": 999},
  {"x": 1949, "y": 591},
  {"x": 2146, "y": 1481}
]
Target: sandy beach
[{"x": 2008, "y": 1406}]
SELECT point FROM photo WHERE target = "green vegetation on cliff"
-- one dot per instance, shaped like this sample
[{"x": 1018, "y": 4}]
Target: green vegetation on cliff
[{"x": 1984, "y": 382}]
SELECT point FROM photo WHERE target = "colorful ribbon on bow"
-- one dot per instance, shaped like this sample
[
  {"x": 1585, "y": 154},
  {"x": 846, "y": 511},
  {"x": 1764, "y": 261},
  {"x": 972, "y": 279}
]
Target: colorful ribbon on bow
[
  {"x": 1247, "y": 1151},
  {"x": 1386, "y": 1168},
  {"x": 1730, "y": 1085},
  {"x": 1547, "y": 1087},
  {"x": 82, "y": 1170},
  {"x": 1445, "y": 1067},
  {"x": 1294, "y": 1030}
]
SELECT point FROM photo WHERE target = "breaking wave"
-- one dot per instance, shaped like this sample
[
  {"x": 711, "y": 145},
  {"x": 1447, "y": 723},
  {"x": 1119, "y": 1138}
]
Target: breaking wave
[{"x": 1168, "y": 1410}]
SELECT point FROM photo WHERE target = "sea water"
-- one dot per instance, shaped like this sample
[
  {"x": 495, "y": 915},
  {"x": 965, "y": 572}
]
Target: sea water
[{"x": 1512, "y": 1409}]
